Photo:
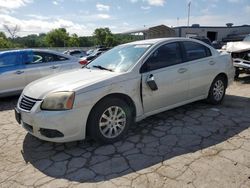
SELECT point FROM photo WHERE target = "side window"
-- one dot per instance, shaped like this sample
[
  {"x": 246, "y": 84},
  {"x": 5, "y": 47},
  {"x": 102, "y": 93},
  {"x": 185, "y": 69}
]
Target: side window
[
  {"x": 195, "y": 51},
  {"x": 59, "y": 58},
  {"x": 43, "y": 57},
  {"x": 8, "y": 59},
  {"x": 164, "y": 56},
  {"x": 75, "y": 53}
]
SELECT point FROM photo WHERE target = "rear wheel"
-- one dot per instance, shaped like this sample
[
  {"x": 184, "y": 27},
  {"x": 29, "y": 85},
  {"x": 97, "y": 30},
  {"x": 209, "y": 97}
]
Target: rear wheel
[
  {"x": 109, "y": 120},
  {"x": 217, "y": 90}
]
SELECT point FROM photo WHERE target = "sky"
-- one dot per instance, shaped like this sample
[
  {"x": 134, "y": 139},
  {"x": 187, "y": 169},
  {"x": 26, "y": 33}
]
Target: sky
[{"x": 84, "y": 16}]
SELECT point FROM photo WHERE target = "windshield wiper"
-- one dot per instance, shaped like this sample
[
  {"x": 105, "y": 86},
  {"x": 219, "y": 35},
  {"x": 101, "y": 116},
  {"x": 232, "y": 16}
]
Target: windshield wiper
[{"x": 102, "y": 68}]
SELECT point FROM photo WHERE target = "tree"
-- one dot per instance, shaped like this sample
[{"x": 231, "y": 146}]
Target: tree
[
  {"x": 57, "y": 38},
  {"x": 4, "y": 42},
  {"x": 101, "y": 34},
  {"x": 86, "y": 41},
  {"x": 2, "y": 35},
  {"x": 109, "y": 41},
  {"x": 74, "y": 41}
]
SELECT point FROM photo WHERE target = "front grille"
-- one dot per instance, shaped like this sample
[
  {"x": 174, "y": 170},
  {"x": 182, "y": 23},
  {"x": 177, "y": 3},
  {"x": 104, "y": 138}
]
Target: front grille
[{"x": 27, "y": 103}]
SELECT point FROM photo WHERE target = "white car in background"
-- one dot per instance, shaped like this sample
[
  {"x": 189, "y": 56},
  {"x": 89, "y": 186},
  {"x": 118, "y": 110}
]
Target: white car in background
[
  {"x": 127, "y": 83},
  {"x": 240, "y": 52},
  {"x": 20, "y": 67},
  {"x": 76, "y": 53}
]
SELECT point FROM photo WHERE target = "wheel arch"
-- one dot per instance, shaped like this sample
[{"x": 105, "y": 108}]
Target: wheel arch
[
  {"x": 223, "y": 75},
  {"x": 122, "y": 96}
]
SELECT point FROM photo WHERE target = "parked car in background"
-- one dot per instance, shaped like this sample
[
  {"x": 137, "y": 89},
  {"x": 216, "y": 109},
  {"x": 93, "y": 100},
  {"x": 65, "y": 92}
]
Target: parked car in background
[
  {"x": 127, "y": 83},
  {"x": 76, "y": 53},
  {"x": 20, "y": 67},
  {"x": 90, "y": 51},
  {"x": 240, "y": 52},
  {"x": 93, "y": 55}
]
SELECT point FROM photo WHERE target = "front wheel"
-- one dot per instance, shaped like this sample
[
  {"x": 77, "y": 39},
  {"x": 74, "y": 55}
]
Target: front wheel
[
  {"x": 217, "y": 90},
  {"x": 109, "y": 120}
]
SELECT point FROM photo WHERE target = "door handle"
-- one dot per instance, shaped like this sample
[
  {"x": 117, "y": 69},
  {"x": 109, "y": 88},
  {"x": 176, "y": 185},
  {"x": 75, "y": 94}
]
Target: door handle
[
  {"x": 211, "y": 62},
  {"x": 182, "y": 70},
  {"x": 19, "y": 72},
  {"x": 54, "y": 67},
  {"x": 151, "y": 82}
]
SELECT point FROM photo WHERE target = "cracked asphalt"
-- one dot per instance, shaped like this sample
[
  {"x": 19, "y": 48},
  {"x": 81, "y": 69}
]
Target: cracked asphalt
[{"x": 197, "y": 145}]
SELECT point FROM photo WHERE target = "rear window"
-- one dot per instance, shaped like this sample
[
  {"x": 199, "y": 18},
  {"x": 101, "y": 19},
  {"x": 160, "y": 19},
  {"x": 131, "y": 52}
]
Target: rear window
[
  {"x": 9, "y": 59},
  {"x": 195, "y": 51}
]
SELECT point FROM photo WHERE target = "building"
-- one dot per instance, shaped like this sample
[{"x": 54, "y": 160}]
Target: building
[
  {"x": 160, "y": 31},
  {"x": 224, "y": 34},
  {"x": 214, "y": 33}
]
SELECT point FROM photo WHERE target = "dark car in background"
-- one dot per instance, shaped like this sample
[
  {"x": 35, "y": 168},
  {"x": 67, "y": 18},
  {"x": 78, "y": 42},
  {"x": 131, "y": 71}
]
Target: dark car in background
[{"x": 76, "y": 53}]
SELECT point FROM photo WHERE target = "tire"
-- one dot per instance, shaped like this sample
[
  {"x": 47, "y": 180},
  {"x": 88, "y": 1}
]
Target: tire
[
  {"x": 108, "y": 128},
  {"x": 237, "y": 73},
  {"x": 217, "y": 90}
]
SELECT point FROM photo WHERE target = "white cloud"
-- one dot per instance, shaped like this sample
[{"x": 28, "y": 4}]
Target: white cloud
[
  {"x": 36, "y": 26},
  {"x": 101, "y": 7},
  {"x": 145, "y": 7},
  {"x": 55, "y": 2},
  {"x": 151, "y": 2},
  {"x": 39, "y": 17},
  {"x": 103, "y": 16},
  {"x": 156, "y": 2},
  {"x": 14, "y": 4}
]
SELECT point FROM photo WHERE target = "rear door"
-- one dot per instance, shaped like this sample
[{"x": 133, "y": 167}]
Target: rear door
[
  {"x": 165, "y": 67},
  {"x": 12, "y": 72},
  {"x": 202, "y": 68},
  {"x": 37, "y": 66},
  {"x": 45, "y": 63}
]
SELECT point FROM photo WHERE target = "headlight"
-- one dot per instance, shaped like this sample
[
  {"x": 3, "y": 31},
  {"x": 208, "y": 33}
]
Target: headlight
[{"x": 59, "y": 101}]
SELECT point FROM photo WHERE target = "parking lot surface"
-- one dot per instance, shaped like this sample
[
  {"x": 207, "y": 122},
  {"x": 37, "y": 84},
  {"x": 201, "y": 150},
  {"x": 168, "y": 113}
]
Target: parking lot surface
[{"x": 197, "y": 145}]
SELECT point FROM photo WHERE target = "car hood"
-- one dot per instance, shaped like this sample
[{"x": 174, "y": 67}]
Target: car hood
[
  {"x": 74, "y": 80},
  {"x": 237, "y": 46}
]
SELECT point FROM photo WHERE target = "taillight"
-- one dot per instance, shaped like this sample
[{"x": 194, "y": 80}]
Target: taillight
[{"x": 83, "y": 62}]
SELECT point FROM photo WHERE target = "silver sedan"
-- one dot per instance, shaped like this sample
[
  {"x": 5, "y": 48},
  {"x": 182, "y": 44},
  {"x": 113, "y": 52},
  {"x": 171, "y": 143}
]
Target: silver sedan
[
  {"x": 20, "y": 67},
  {"x": 128, "y": 83}
]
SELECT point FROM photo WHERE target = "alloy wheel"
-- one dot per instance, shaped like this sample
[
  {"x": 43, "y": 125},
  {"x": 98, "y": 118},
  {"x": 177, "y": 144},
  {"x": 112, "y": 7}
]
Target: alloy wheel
[{"x": 112, "y": 122}]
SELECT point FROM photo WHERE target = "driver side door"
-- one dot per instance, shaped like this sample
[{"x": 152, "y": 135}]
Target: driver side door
[{"x": 166, "y": 68}]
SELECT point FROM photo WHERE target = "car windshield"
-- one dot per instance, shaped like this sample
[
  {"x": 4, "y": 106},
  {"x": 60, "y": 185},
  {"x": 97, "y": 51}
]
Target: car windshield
[{"x": 119, "y": 59}]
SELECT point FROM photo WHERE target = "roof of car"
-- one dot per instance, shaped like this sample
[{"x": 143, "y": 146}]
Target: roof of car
[
  {"x": 159, "y": 40},
  {"x": 28, "y": 50}
]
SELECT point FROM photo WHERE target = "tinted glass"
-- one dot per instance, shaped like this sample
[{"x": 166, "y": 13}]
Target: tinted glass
[
  {"x": 75, "y": 53},
  {"x": 43, "y": 57},
  {"x": 195, "y": 51},
  {"x": 121, "y": 58},
  {"x": 164, "y": 56},
  {"x": 9, "y": 59}
]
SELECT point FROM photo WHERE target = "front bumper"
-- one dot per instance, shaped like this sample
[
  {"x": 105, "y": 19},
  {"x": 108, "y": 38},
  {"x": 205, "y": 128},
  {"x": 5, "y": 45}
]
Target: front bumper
[
  {"x": 55, "y": 126},
  {"x": 243, "y": 64}
]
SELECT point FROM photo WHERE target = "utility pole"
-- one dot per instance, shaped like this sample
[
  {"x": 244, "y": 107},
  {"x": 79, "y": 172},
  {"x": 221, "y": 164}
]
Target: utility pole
[{"x": 189, "y": 7}]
